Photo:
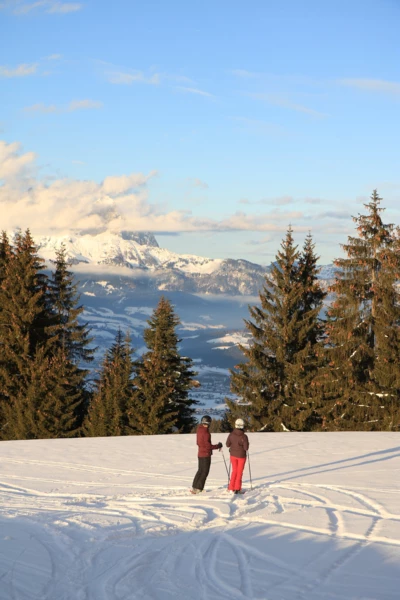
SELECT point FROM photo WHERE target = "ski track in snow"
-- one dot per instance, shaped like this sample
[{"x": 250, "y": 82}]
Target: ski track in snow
[{"x": 282, "y": 540}]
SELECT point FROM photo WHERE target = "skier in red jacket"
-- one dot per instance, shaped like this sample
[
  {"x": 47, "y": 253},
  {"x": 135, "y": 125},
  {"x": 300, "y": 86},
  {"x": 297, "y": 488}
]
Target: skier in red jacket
[
  {"x": 204, "y": 454},
  {"x": 238, "y": 444}
]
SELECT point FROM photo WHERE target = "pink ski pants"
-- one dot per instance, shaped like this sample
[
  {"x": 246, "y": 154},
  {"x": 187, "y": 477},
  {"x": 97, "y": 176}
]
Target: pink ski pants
[{"x": 237, "y": 464}]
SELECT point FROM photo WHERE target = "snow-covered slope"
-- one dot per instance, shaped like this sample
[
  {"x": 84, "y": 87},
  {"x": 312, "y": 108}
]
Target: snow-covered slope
[
  {"x": 125, "y": 249},
  {"x": 112, "y": 519}
]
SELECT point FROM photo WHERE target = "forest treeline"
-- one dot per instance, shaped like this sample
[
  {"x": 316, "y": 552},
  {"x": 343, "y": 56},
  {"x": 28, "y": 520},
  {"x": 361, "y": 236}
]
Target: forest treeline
[{"x": 316, "y": 361}]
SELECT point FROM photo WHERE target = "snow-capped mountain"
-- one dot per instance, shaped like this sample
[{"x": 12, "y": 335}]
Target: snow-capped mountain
[
  {"x": 158, "y": 268},
  {"x": 121, "y": 276}
]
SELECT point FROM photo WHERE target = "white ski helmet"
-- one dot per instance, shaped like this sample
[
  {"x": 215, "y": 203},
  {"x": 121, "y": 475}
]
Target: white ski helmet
[{"x": 239, "y": 424}]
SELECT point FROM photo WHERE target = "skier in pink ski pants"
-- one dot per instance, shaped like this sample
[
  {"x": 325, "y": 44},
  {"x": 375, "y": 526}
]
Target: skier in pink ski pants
[{"x": 238, "y": 444}]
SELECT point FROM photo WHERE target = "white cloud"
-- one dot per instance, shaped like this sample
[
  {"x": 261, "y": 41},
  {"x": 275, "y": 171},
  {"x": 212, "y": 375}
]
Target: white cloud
[
  {"x": 117, "y": 203},
  {"x": 129, "y": 77},
  {"x": 42, "y": 108},
  {"x": 373, "y": 85},
  {"x": 279, "y": 201},
  {"x": 246, "y": 74},
  {"x": 123, "y": 75},
  {"x": 65, "y": 204},
  {"x": 335, "y": 214},
  {"x": 284, "y": 102},
  {"x": 20, "y": 71},
  {"x": 313, "y": 201},
  {"x": 191, "y": 90},
  {"x": 283, "y": 200},
  {"x": 274, "y": 81},
  {"x": 198, "y": 183},
  {"x": 71, "y": 107},
  {"x": 63, "y": 7},
  {"x": 20, "y": 8},
  {"x": 84, "y": 105},
  {"x": 12, "y": 163},
  {"x": 117, "y": 185},
  {"x": 53, "y": 57}
]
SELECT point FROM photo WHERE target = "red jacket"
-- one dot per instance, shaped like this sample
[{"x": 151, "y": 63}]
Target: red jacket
[
  {"x": 204, "y": 442},
  {"x": 238, "y": 443}
]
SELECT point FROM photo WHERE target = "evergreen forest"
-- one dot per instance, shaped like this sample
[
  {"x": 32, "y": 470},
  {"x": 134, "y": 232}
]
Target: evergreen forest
[{"x": 317, "y": 360}]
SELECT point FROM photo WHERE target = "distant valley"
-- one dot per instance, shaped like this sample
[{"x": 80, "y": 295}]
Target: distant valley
[{"x": 121, "y": 277}]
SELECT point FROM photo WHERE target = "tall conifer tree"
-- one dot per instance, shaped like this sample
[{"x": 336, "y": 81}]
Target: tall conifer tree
[
  {"x": 361, "y": 383},
  {"x": 163, "y": 379},
  {"x": 46, "y": 404},
  {"x": 273, "y": 385},
  {"x": 41, "y": 386},
  {"x": 26, "y": 346},
  {"x": 108, "y": 410},
  {"x": 74, "y": 337},
  {"x": 5, "y": 255},
  {"x": 309, "y": 359}
]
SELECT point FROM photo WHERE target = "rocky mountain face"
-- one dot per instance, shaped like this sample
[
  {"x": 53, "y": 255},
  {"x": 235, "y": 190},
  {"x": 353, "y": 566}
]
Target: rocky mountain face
[{"x": 154, "y": 268}]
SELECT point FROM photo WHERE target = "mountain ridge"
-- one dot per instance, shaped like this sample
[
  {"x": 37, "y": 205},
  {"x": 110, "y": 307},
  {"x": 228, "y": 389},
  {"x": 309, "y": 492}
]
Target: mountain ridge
[{"x": 158, "y": 268}]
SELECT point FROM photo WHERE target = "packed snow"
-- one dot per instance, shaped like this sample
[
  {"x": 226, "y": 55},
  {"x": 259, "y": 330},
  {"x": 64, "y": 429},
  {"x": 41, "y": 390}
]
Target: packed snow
[{"x": 113, "y": 519}]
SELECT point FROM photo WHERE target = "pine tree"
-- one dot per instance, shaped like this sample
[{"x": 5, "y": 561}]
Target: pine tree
[
  {"x": 26, "y": 346},
  {"x": 73, "y": 337},
  {"x": 152, "y": 410},
  {"x": 23, "y": 388},
  {"x": 45, "y": 404},
  {"x": 361, "y": 382},
  {"x": 308, "y": 360},
  {"x": 108, "y": 411},
  {"x": 273, "y": 385},
  {"x": 24, "y": 289},
  {"x": 163, "y": 379},
  {"x": 5, "y": 253},
  {"x": 60, "y": 412},
  {"x": 41, "y": 388}
]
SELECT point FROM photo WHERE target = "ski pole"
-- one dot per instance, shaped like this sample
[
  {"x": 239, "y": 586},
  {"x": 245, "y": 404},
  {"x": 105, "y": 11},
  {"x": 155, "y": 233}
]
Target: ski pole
[
  {"x": 248, "y": 456},
  {"x": 223, "y": 456}
]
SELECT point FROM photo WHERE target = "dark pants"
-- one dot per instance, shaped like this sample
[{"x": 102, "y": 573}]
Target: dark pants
[{"x": 202, "y": 473}]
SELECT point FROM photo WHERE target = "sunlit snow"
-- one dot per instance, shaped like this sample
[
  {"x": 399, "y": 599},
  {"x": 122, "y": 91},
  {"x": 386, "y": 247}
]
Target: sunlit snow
[{"x": 113, "y": 519}]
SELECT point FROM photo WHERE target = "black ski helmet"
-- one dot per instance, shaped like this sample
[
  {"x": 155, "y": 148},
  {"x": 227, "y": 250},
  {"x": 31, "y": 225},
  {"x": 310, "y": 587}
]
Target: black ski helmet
[{"x": 206, "y": 420}]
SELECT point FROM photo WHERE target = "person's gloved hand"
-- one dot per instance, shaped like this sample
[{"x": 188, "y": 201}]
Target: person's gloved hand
[{"x": 219, "y": 445}]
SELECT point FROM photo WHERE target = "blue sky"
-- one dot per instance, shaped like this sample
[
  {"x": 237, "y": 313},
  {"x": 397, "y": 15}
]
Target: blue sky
[{"x": 216, "y": 124}]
